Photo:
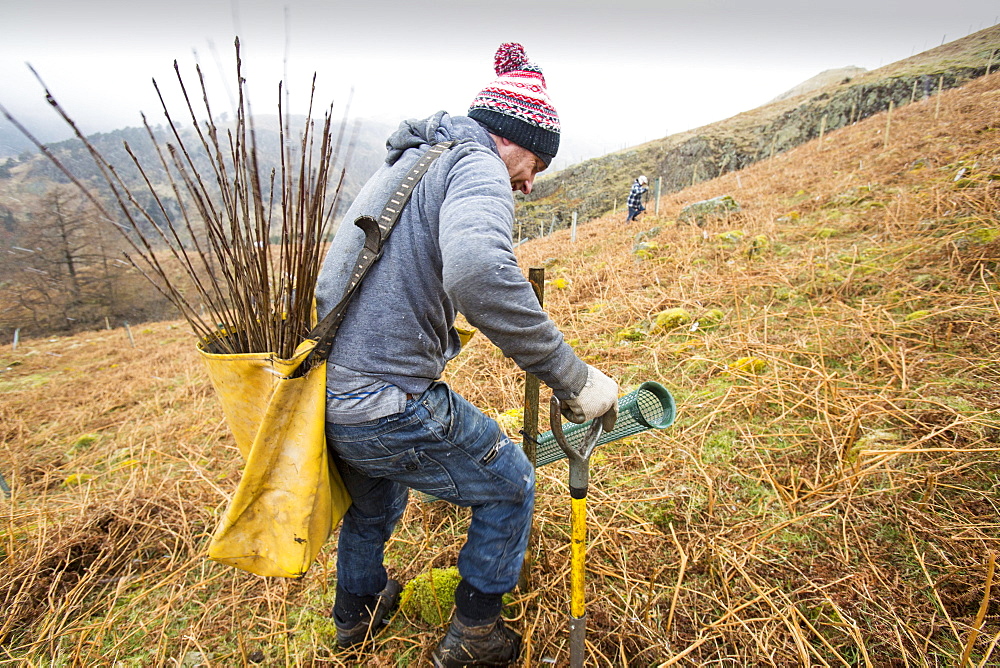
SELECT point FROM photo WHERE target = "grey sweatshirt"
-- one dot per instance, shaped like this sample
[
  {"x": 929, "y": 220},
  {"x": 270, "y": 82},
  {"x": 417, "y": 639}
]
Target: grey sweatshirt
[{"x": 450, "y": 252}]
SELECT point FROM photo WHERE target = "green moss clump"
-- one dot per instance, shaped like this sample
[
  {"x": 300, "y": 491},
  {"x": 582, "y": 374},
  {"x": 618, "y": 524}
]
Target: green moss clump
[
  {"x": 511, "y": 420},
  {"x": 711, "y": 318},
  {"x": 730, "y": 237},
  {"x": 646, "y": 250},
  {"x": 759, "y": 245},
  {"x": 984, "y": 235},
  {"x": 431, "y": 596},
  {"x": 785, "y": 293},
  {"x": 670, "y": 319},
  {"x": 630, "y": 334},
  {"x": 84, "y": 442},
  {"x": 751, "y": 365},
  {"x": 720, "y": 446}
]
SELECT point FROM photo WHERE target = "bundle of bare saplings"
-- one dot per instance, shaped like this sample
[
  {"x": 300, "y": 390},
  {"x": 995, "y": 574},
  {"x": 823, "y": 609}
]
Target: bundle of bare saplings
[{"x": 236, "y": 251}]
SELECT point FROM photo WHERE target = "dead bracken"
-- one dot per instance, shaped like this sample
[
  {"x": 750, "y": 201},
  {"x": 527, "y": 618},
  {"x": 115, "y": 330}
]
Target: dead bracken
[{"x": 835, "y": 506}]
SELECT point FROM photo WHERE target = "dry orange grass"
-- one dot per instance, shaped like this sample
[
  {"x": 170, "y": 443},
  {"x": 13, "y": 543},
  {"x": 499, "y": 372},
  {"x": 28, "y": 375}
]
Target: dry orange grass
[{"x": 838, "y": 507}]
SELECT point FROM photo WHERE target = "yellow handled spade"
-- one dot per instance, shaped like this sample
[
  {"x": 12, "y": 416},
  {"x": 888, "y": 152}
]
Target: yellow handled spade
[{"x": 579, "y": 479}]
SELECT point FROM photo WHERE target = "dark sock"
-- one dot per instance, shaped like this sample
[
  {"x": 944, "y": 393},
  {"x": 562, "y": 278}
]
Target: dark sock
[
  {"x": 473, "y": 607},
  {"x": 349, "y": 608}
]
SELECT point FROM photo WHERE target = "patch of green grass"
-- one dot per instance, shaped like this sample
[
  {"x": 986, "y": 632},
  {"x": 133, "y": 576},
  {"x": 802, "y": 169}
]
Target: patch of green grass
[
  {"x": 24, "y": 382},
  {"x": 751, "y": 496},
  {"x": 665, "y": 513},
  {"x": 787, "y": 293},
  {"x": 720, "y": 447},
  {"x": 635, "y": 374},
  {"x": 311, "y": 630},
  {"x": 82, "y": 444},
  {"x": 794, "y": 537}
]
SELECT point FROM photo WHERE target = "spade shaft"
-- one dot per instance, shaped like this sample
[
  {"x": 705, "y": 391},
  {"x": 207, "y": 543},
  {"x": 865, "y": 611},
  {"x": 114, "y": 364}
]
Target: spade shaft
[{"x": 579, "y": 480}]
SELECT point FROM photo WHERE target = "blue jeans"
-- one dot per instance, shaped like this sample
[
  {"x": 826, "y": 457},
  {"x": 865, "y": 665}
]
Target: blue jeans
[{"x": 442, "y": 445}]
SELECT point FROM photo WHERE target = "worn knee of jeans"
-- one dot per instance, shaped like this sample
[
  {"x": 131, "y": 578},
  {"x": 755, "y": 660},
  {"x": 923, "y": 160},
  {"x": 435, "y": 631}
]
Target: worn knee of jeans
[{"x": 492, "y": 556}]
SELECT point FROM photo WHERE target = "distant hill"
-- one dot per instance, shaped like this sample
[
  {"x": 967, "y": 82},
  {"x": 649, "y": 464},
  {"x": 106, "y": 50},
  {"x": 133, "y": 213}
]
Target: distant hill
[
  {"x": 46, "y": 128},
  {"x": 825, "y": 102},
  {"x": 361, "y": 153},
  {"x": 840, "y": 75}
]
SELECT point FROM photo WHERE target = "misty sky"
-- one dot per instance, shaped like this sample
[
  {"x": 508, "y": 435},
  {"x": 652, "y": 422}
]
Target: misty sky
[{"x": 620, "y": 73}]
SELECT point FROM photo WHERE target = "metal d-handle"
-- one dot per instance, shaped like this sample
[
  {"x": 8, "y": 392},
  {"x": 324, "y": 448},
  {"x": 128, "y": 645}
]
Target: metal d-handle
[{"x": 579, "y": 476}]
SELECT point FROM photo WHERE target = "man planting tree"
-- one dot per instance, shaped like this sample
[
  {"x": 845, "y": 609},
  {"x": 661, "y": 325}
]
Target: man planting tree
[{"x": 391, "y": 424}]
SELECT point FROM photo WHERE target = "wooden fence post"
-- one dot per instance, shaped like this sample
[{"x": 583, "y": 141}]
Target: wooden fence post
[
  {"x": 17, "y": 338},
  {"x": 572, "y": 234},
  {"x": 656, "y": 207},
  {"x": 888, "y": 122},
  {"x": 536, "y": 276},
  {"x": 937, "y": 104}
]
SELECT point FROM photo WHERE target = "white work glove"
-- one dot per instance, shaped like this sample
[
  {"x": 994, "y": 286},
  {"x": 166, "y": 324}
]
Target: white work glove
[{"x": 598, "y": 398}]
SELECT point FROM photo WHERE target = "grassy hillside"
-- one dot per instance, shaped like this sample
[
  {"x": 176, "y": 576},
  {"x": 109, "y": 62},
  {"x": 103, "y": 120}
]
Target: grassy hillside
[
  {"x": 828, "y": 495},
  {"x": 592, "y": 188}
]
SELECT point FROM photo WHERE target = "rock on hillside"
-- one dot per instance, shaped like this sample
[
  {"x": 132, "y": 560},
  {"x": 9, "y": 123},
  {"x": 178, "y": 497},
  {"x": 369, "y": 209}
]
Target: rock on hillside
[
  {"x": 822, "y": 80},
  {"x": 593, "y": 187}
]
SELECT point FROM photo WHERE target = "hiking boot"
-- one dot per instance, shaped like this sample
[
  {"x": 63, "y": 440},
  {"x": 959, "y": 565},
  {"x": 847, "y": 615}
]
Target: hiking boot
[
  {"x": 491, "y": 644},
  {"x": 371, "y": 622}
]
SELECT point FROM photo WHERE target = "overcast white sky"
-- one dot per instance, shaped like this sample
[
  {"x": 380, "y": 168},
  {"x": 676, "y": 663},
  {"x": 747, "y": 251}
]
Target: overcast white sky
[{"x": 620, "y": 73}]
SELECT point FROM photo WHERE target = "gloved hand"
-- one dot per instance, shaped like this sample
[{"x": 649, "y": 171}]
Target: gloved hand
[{"x": 598, "y": 398}]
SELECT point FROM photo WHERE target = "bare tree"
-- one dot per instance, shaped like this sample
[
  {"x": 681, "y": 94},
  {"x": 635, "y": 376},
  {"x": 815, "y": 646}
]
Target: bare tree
[{"x": 63, "y": 270}]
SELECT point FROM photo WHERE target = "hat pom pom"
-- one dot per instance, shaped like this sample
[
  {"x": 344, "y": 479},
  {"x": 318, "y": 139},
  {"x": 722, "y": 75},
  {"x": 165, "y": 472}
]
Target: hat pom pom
[{"x": 510, "y": 56}]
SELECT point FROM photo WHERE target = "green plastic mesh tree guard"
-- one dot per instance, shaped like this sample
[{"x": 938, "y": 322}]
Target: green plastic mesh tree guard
[{"x": 650, "y": 406}]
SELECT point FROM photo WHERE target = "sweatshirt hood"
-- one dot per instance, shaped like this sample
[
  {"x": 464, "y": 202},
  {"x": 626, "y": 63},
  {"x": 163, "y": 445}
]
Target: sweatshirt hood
[{"x": 413, "y": 133}]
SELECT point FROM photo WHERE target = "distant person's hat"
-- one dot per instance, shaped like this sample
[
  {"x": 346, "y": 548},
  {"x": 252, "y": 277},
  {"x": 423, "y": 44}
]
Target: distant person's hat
[
  {"x": 516, "y": 104},
  {"x": 642, "y": 179}
]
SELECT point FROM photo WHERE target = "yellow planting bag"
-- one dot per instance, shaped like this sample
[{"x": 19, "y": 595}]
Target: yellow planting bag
[{"x": 290, "y": 496}]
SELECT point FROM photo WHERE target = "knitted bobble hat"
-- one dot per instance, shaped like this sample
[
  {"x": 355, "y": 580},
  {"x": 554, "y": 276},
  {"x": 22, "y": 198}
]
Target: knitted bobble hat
[{"x": 516, "y": 104}]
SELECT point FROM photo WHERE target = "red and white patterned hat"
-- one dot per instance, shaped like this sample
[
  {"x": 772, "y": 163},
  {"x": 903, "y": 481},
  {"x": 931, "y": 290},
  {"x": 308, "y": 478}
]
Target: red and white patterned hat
[{"x": 516, "y": 104}]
